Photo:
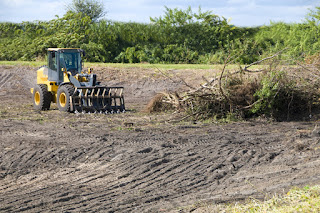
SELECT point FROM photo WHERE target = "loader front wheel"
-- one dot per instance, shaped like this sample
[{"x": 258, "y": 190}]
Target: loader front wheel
[
  {"x": 41, "y": 97},
  {"x": 63, "y": 98}
]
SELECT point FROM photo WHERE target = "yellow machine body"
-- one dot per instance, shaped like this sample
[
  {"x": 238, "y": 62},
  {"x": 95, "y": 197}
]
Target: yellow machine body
[
  {"x": 63, "y": 82},
  {"x": 51, "y": 85}
]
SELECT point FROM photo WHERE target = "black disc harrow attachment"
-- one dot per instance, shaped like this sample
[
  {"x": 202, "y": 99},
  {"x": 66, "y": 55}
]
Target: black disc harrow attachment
[{"x": 99, "y": 99}]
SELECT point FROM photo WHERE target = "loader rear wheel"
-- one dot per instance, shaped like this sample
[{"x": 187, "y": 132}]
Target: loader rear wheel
[
  {"x": 41, "y": 97},
  {"x": 63, "y": 98}
]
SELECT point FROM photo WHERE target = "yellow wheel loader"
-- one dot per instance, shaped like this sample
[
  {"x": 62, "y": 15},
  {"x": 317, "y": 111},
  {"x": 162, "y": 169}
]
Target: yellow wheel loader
[{"x": 64, "y": 82}]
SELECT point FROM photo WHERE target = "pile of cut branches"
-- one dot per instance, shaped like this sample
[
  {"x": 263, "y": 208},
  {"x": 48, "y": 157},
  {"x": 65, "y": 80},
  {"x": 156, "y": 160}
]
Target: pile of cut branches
[{"x": 286, "y": 93}]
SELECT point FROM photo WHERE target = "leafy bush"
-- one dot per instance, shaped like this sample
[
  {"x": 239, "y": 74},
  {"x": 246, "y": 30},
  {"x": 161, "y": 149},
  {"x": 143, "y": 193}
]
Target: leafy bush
[
  {"x": 279, "y": 96},
  {"x": 180, "y": 36}
]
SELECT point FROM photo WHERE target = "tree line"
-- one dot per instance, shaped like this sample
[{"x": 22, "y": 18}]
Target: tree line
[{"x": 179, "y": 36}]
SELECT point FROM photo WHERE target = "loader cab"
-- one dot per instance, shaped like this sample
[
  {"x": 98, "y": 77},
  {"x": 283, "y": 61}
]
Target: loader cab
[{"x": 58, "y": 59}]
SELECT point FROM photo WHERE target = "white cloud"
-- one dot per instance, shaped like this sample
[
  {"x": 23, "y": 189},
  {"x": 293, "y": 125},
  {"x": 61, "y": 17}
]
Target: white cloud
[
  {"x": 30, "y": 10},
  {"x": 260, "y": 15},
  {"x": 240, "y": 2},
  {"x": 138, "y": 11},
  {"x": 15, "y": 3}
]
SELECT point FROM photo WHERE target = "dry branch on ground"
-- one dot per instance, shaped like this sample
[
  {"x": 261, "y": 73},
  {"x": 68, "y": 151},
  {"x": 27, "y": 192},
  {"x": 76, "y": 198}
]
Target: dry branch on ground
[{"x": 279, "y": 93}]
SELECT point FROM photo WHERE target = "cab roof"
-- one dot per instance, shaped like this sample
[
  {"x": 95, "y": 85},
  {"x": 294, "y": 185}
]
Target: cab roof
[{"x": 57, "y": 49}]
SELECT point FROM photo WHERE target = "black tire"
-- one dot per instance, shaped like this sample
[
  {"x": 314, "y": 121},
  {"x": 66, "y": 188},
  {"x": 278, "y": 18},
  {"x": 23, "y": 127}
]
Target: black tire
[
  {"x": 41, "y": 97},
  {"x": 63, "y": 97}
]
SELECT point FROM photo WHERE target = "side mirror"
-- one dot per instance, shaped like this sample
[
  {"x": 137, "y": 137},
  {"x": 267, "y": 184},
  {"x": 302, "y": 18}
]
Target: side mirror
[{"x": 53, "y": 54}]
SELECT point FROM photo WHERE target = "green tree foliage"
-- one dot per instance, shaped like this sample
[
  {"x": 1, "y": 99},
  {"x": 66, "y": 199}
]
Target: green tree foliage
[
  {"x": 31, "y": 39},
  {"x": 179, "y": 36},
  {"x": 92, "y": 8},
  {"x": 300, "y": 39}
]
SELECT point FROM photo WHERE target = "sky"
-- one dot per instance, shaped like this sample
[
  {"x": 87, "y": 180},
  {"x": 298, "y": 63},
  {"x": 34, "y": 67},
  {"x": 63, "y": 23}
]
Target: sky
[{"x": 238, "y": 12}]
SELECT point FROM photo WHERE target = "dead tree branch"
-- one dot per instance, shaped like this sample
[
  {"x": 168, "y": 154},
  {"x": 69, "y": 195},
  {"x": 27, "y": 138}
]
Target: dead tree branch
[
  {"x": 258, "y": 62},
  {"x": 173, "y": 80}
]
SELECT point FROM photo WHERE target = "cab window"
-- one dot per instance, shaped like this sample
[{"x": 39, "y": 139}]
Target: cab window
[{"x": 52, "y": 61}]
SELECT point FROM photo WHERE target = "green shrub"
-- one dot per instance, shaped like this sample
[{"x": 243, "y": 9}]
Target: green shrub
[{"x": 180, "y": 36}]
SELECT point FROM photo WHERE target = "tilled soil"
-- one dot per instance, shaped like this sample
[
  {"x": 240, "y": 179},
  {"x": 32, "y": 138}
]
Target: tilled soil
[{"x": 137, "y": 162}]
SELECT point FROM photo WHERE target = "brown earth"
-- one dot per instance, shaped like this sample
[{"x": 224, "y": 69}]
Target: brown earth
[{"x": 138, "y": 162}]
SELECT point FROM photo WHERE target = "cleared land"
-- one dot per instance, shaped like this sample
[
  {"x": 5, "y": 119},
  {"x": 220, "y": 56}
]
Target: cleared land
[{"x": 138, "y": 162}]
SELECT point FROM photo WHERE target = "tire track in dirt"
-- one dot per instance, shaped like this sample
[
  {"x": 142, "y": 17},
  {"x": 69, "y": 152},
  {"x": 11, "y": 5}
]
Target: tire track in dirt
[
  {"x": 69, "y": 163},
  {"x": 120, "y": 174},
  {"x": 5, "y": 77}
]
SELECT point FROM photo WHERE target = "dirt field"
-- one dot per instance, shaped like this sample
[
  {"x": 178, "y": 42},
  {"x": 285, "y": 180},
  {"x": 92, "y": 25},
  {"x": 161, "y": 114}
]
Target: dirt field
[{"x": 137, "y": 162}]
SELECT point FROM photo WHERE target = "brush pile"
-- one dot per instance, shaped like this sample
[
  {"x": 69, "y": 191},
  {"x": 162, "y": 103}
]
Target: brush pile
[{"x": 277, "y": 91}]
